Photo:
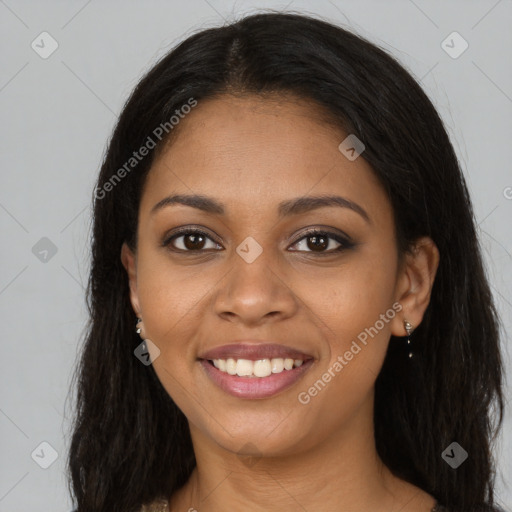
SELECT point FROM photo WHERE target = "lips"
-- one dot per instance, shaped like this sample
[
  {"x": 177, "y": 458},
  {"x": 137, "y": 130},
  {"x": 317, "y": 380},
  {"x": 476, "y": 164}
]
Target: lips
[
  {"x": 254, "y": 351},
  {"x": 254, "y": 369}
]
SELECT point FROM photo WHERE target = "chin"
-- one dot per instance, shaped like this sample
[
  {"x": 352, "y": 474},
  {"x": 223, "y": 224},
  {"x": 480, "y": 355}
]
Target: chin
[{"x": 254, "y": 436}]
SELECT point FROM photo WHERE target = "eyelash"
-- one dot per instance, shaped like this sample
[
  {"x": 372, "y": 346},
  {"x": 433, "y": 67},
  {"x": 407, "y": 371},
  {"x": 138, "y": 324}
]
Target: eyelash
[{"x": 344, "y": 242}]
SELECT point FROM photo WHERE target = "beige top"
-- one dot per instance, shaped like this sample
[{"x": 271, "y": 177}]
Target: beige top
[{"x": 156, "y": 506}]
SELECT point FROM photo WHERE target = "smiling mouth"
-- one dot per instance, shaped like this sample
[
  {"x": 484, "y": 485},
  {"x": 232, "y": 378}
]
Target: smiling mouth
[
  {"x": 256, "y": 369},
  {"x": 255, "y": 379}
]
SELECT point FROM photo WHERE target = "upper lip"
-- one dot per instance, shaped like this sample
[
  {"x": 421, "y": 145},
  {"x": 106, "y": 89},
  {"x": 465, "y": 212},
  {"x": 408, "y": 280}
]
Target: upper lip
[{"x": 254, "y": 350}]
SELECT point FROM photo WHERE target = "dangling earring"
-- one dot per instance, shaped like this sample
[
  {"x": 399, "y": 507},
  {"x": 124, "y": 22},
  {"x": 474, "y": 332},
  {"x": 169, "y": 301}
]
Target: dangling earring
[
  {"x": 146, "y": 352},
  {"x": 409, "y": 329}
]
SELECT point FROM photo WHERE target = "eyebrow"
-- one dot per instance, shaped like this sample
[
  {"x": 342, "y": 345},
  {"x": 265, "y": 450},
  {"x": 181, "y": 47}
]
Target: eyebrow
[{"x": 285, "y": 209}]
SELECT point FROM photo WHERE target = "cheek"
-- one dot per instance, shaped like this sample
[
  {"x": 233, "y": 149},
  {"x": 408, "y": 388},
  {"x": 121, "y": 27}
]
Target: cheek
[
  {"x": 166, "y": 291},
  {"x": 357, "y": 337},
  {"x": 170, "y": 301},
  {"x": 354, "y": 304}
]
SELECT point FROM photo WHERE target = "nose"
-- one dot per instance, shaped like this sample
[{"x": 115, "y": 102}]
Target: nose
[{"x": 255, "y": 293}]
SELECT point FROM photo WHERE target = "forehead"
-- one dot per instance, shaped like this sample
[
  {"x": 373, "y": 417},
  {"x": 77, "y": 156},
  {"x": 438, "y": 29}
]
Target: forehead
[
  {"x": 257, "y": 151},
  {"x": 232, "y": 128}
]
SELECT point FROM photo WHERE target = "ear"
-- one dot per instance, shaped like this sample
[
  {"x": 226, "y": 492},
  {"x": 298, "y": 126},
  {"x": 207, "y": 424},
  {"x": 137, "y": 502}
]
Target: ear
[
  {"x": 129, "y": 260},
  {"x": 414, "y": 284}
]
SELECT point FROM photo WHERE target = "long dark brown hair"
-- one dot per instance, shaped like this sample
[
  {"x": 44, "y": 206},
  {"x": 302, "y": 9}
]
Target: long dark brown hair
[{"x": 130, "y": 442}]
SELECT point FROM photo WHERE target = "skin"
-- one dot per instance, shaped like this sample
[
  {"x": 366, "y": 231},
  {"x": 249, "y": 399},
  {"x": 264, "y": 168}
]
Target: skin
[{"x": 252, "y": 153}]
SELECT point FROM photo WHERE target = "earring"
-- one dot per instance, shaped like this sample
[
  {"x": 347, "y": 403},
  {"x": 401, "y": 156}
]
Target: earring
[
  {"x": 409, "y": 329},
  {"x": 138, "y": 327}
]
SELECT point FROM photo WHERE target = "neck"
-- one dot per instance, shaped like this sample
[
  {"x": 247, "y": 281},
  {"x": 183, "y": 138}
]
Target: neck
[{"x": 343, "y": 472}]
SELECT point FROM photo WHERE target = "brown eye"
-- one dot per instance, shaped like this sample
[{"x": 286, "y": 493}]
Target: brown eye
[
  {"x": 190, "y": 240},
  {"x": 319, "y": 241},
  {"x": 194, "y": 241}
]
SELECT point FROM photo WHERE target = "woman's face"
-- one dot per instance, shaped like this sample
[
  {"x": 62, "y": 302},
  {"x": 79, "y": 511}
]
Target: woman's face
[{"x": 257, "y": 278}]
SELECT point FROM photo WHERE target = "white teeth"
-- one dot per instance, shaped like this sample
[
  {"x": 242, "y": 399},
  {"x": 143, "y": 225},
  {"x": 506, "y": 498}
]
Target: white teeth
[
  {"x": 262, "y": 368},
  {"x": 230, "y": 366},
  {"x": 277, "y": 365},
  {"x": 259, "y": 368},
  {"x": 288, "y": 364},
  {"x": 244, "y": 367}
]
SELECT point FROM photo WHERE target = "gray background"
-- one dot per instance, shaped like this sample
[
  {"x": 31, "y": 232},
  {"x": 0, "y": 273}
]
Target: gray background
[{"x": 58, "y": 113}]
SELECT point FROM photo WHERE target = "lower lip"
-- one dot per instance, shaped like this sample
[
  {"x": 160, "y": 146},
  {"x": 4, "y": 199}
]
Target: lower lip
[{"x": 255, "y": 387}]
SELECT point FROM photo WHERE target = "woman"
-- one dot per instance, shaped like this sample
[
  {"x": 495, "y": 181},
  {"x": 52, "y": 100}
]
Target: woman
[{"x": 288, "y": 305}]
